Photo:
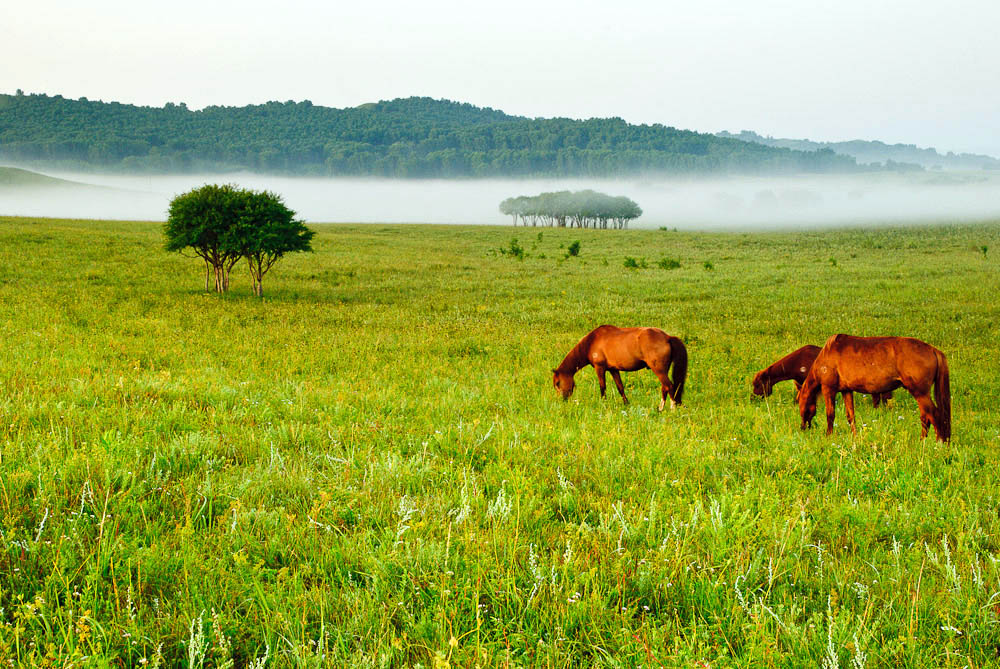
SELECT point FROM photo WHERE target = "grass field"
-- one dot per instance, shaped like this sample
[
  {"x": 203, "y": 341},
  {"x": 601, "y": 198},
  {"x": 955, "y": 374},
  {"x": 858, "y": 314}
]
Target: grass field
[{"x": 370, "y": 466}]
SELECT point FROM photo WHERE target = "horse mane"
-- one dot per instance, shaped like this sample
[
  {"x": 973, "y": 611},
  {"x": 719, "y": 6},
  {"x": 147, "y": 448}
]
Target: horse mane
[
  {"x": 774, "y": 369},
  {"x": 577, "y": 356}
]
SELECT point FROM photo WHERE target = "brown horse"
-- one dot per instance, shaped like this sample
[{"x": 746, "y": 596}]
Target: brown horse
[
  {"x": 879, "y": 365},
  {"x": 611, "y": 349},
  {"x": 794, "y": 367}
]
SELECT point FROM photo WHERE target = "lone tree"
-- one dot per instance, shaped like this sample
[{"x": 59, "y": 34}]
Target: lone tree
[{"x": 222, "y": 224}]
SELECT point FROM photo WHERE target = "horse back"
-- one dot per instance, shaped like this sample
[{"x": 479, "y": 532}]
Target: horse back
[
  {"x": 874, "y": 364},
  {"x": 798, "y": 363},
  {"x": 628, "y": 349}
]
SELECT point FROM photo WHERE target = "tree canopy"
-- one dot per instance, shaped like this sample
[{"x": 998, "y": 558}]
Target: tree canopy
[
  {"x": 414, "y": 137},
  {"x": 582, "y": 209},
  {"x": 223, "y": 223}
]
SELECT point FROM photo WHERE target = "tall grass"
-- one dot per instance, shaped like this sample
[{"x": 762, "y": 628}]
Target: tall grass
[{"x": 370, "y": 467}]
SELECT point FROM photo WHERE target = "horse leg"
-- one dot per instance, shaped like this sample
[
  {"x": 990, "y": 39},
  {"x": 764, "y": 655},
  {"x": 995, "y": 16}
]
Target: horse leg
[
  {"x": 601, "y": 381},
  {"x": 830, "y": 399},
  {"x": 618, "y": 382},
  {"x": 666, "y": 389},
  {"x": 849, "y": 409},
  {"x": 928, "y": 415}
]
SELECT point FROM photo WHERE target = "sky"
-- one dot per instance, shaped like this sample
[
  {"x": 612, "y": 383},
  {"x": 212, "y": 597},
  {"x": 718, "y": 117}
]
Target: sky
[{"x": 917, "y": 72}]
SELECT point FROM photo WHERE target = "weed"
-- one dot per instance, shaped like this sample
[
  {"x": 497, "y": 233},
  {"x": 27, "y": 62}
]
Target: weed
[{"x": 633, "y": 263}]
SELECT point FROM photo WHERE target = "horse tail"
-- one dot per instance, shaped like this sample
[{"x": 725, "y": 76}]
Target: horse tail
[
  {"x": 942, "y": 395},
  {"x": 679, "y": 359}
]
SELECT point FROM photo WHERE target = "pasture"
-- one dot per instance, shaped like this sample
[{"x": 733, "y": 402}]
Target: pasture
[{"x": 370, "y": 466}]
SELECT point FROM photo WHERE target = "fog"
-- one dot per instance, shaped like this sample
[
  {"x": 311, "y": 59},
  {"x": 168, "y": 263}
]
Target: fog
[{"x": 718, "y": 203}]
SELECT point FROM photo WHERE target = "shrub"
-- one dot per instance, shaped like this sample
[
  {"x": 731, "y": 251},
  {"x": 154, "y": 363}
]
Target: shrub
[
  {"x": 668, "y": 263},
  {"x": 632, "y": 263},
  {"x": 573, "y": 249},
  {"x": 515, "y": 250}
]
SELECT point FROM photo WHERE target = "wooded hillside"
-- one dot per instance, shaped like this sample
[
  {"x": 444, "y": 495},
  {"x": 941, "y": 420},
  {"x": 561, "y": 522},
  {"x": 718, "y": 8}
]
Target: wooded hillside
[{"x": 413, "y": 137}]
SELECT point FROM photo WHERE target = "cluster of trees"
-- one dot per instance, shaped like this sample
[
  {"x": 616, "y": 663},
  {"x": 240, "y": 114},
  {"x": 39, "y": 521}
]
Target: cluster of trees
[
  {"x": 413, "y": 137},
  {"x": 224, "y": 224},
  {"x": 582, "y": 209}
]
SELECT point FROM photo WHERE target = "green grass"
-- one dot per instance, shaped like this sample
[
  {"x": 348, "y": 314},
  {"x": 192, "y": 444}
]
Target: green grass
[{"x": 370, "y": 466}]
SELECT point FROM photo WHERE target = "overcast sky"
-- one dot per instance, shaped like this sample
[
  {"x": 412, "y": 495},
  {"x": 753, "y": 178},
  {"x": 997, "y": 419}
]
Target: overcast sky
[{"x": 919, "y": 72}]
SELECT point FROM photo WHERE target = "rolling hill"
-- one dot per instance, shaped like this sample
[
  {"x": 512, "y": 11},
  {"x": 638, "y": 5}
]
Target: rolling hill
[
  {"x": 412, "y": 137},
  {"x": 14, "y": 177},
  {"x": 870, "y": 152}
]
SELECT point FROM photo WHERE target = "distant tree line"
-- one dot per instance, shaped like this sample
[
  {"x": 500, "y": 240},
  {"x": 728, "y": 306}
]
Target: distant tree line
[
  {"x": 582, "y": 209},
  {"x": 414, "y": 137},
  {"x": 879, "y": 155}
]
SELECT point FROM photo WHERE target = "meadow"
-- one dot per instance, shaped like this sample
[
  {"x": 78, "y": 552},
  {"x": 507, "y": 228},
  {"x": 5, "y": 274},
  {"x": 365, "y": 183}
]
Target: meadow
[{"x": 370, "y": 467}]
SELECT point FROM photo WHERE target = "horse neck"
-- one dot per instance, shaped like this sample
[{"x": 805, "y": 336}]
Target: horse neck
[
  {"x": 779, "y": 371},
  {"x": 577, "y": 357},
  {"x": 776, "y": 372}
]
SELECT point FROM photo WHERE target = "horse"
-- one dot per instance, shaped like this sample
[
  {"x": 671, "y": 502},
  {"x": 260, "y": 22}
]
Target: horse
[
  {"x": 794, "y": 367},
  {"x": 879, "y": 365},
  {"x": 612, "y": 349}
]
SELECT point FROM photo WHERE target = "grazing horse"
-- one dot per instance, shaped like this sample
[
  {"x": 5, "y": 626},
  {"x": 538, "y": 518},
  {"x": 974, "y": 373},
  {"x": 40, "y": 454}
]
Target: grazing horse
[
  {"x": 794, "y": 367},
  {"x": 879, "y": 365},
  {"x": 611, "y": 349}
]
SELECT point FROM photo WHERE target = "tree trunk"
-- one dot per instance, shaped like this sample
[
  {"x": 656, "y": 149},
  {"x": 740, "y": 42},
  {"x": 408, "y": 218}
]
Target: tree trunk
[
  {"x": 227, "y": 269},
  {"x": 256, "y": 265}
]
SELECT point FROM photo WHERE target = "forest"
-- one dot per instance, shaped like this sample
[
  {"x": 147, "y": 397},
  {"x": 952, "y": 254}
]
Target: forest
[{"x": 412, "y": 137}]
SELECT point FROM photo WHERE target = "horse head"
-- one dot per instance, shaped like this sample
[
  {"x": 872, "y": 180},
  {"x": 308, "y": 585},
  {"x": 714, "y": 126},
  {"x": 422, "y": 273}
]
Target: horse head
[
  {"x": 762, "y": 386},
  {"x": 563, "y": 382}
]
